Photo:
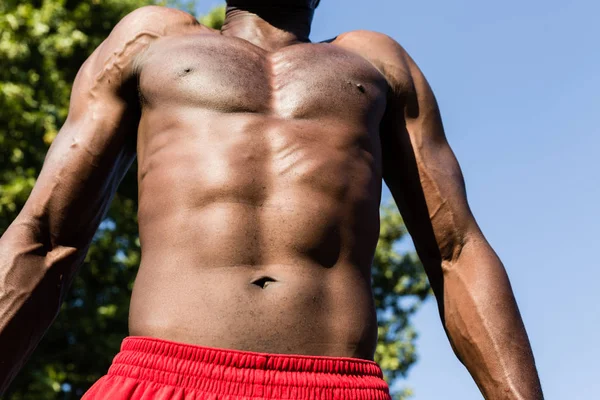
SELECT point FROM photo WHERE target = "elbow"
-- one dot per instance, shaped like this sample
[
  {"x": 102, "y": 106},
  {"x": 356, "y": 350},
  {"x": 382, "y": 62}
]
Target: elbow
[
  {"x": 28, "y": 261},
  {"x": 450, "y": 257},
  {"x": 457, "y": 246},
  {"x": 62, "y": 257},
  {"x": 34, "y": 278},
  {"x": 29, "y": 240}
]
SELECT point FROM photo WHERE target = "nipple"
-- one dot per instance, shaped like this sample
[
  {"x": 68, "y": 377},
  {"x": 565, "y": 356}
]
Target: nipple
[
  {"x": 359, "y": 86},
  {"x": 185, "y": 71}
]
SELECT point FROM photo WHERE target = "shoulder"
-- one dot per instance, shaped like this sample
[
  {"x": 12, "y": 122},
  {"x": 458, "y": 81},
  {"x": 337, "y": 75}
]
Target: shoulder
[
  {"x": 139, "y": 28},
  {"x": 117, "y": 55},
  {"x": 114, "y": 63},
  {"x": 384, "y": 52},
  {"x": 157, "y": 19},
  {"x": 143, "y": 25},
  {"x": 362, "y": 36}
]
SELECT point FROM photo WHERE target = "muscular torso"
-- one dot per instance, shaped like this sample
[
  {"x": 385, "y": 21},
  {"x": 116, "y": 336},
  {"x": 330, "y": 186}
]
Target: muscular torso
[{"x": 259, "y": 190}]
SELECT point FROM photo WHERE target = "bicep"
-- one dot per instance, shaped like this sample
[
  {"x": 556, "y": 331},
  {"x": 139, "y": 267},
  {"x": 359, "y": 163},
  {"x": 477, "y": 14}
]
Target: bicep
[
  {"x": 423, "y": 174},
  {"x": 86, "y": 161},
  {"x": 96, "y": 145}
]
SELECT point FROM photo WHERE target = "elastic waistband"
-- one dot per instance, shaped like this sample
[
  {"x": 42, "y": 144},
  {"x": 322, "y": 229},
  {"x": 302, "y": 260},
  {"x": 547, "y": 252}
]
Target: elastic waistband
[{"x": 249, "y": 374}]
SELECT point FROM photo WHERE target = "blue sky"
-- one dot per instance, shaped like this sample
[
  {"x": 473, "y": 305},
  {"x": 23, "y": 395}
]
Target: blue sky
[{"x": 519, "y": 88}]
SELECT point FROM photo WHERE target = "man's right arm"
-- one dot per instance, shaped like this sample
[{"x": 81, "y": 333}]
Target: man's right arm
[{"x": 42, "y": 249}]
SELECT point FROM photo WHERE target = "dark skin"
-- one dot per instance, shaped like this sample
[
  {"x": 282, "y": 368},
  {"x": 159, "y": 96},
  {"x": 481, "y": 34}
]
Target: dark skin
[{"x": 261, "y": 157}]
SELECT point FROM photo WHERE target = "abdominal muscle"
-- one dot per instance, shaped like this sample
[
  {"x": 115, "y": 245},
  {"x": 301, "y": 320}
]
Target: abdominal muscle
[{"x": 256, "y": 238}]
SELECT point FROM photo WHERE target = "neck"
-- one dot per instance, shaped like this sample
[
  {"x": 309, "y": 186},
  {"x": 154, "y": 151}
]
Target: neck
[{"x": 270, "y": 28}]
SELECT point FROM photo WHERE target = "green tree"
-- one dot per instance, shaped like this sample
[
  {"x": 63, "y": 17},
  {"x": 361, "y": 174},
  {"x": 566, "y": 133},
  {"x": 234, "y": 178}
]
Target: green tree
[
  {"x": 42, "y": 45},
  {"x": 399, "y": 287}
]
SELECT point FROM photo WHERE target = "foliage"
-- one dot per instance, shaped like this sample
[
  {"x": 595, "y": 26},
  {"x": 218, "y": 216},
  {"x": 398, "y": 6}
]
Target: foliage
[
  {"x": 399, "y": 288},
  {"x": 215, "y": 18},
  {"x": 42, "y": 45}
]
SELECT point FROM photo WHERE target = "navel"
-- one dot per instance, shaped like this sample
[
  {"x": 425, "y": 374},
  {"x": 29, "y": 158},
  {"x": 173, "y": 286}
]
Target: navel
[{"x": 263, "y": 282}]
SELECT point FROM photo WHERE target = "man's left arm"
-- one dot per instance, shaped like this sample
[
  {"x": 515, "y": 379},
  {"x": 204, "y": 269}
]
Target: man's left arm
[{"x": 474, "y": 296}]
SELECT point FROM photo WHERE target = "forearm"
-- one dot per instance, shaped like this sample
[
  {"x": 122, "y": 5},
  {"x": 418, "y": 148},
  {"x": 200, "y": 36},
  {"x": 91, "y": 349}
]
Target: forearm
[
  {"x": 33, "y": 281},
  {"x": 484, "y": 325}
]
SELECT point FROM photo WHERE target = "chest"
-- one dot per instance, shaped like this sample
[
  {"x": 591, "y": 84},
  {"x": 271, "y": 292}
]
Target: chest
[{"x": 232, "y": 75}]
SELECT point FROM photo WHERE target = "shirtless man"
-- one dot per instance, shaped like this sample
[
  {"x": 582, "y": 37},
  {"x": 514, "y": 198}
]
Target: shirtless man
[{"x": 261, "y": 157}]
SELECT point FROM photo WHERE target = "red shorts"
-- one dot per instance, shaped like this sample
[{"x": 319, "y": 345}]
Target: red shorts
[{"x": 148, "y": 368}]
